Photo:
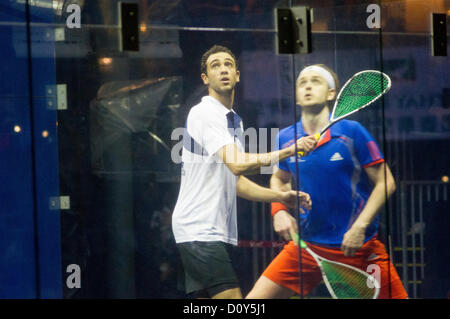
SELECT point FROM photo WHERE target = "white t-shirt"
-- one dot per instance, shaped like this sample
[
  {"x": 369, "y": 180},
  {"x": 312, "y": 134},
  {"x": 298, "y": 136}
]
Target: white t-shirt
[{"x": 206, "y": 205}]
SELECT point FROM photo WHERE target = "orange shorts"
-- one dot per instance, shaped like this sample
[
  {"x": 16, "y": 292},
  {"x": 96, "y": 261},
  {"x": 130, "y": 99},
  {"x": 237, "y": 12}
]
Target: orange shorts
[{"x": 284, "y": 269}]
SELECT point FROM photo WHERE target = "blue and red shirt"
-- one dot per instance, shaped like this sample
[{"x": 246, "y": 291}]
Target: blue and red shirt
[{"x": 333, "y": 175}]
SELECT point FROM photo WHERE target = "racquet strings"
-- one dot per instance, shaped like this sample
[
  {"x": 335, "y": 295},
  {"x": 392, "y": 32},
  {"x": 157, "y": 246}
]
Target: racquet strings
[
  {"x": 347, "y": 283},
  {"x": 361, "y": 90}
]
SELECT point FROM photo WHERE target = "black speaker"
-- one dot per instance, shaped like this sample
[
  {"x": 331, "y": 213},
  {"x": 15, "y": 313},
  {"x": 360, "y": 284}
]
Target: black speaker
[
  {"x": 293, "y": 30},
  {"x": 129, "y": 26},
  {"x": 438, "y": 34}
]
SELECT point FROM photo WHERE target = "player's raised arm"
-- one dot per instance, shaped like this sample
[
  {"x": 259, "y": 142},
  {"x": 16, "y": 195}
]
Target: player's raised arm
[{"x": 241, "y": 163}]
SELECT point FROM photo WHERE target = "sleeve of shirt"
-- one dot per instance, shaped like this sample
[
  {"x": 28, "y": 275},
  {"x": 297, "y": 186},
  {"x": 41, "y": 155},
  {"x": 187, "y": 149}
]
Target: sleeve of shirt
[
  {"x": 210, "y": 131},
  {"x": 366, "y": 147},
  {"x": 283, "y": 165}
]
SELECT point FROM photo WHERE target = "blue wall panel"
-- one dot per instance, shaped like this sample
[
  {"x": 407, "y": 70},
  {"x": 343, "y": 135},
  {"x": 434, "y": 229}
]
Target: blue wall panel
[
  {"x": 30, "y": 247},
  {"x": 46, "y": 155}
]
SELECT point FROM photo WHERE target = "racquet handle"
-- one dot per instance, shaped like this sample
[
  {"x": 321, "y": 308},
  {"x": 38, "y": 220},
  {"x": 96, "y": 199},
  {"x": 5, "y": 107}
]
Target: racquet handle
[
  {"x": 297, "y": 241},
  {"x": 317, "y": 136}
]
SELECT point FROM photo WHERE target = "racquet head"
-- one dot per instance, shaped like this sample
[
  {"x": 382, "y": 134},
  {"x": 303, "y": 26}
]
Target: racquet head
[
  {"x": 347, "y": 282},
  {"x": 344, "y": 281},
  {"x": 360, "y": 90}
]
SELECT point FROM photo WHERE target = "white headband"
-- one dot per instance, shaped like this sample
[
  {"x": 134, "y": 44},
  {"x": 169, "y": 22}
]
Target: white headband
[{"x": 323, "y": 72}]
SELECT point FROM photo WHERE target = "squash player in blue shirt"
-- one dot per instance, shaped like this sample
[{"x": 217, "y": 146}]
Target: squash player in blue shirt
[{"x": 347, "y": 179}]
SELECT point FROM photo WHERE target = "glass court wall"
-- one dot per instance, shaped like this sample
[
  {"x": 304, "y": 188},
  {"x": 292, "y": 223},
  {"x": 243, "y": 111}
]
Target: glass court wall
[{"x": 89, "y": 153}]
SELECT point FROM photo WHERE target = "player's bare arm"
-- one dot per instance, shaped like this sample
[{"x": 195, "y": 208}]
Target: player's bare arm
[
  {"x": 354, "y": 237},
  {"x": 241, "y": 163},
  {"x": 283, "y": 222},
  {"x": 249, "y": 190}
]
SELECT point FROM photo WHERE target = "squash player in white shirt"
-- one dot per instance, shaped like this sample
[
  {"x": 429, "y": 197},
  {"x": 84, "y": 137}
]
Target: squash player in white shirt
[{"x": 204, "y": 220}]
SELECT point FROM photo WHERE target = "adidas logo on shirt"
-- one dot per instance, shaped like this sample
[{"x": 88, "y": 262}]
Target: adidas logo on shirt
[{"x": 336, "y": 157}]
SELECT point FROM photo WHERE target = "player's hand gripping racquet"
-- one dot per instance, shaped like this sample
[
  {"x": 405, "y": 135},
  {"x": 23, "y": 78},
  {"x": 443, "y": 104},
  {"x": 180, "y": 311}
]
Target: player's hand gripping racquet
[
  {"x": 361, "y": 90},
  {"x": 344, "y": 281}
]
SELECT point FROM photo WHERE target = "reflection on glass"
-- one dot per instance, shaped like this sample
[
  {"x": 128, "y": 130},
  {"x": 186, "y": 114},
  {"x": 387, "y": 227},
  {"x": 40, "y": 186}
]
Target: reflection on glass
[
  {"x": 17, "y": 129},
  {"x": 105, "y": 61}
]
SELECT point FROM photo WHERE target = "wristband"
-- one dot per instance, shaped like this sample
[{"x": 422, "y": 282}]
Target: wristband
[{"x": 276, "y": 207}]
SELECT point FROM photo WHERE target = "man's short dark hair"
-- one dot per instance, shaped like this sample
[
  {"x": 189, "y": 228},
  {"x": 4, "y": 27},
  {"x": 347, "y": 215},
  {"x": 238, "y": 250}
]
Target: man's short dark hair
[{"x": 215, "y": 49}]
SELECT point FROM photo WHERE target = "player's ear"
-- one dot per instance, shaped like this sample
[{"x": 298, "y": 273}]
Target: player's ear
[
  {"x": 238, "y": 76},
  {"x": 205, "y": 79},
  {"x": 331, "y": 94}
]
